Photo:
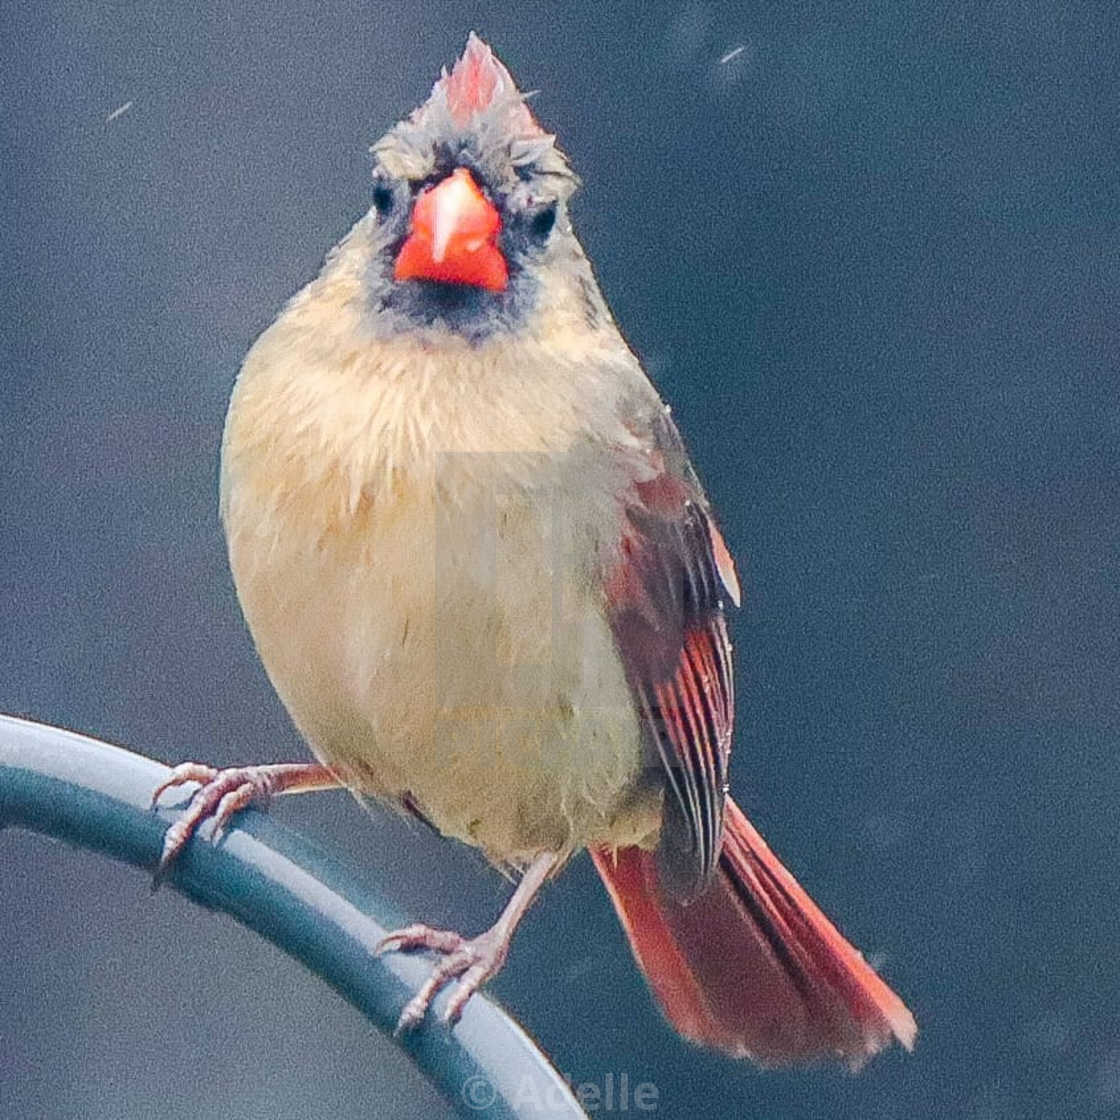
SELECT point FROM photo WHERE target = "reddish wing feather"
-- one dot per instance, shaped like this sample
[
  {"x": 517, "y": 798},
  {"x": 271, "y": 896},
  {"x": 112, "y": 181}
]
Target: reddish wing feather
[
  {"x": 666, "y": 610},
  {"x": 737, "y": 953}
]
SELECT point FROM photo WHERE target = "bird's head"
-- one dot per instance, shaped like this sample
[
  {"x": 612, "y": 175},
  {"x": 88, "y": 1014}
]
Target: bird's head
[{"x": 469, "y": 227}]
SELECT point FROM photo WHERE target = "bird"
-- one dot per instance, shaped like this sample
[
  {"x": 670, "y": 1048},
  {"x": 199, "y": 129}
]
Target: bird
[{"x": 487, "y": 585}]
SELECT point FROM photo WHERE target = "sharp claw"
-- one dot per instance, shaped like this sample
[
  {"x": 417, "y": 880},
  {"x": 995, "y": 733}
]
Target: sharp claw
[
  {"x": 220, "y": 794},
  {"x": 419, "y": 937},
  {"x": 472, "y": 963},
  {"x": 469, "y": 983},
  {"x": 182, "y": 774},
  {"x": 409, "y": 1020},
  {"x": 454, "y": 1010}
]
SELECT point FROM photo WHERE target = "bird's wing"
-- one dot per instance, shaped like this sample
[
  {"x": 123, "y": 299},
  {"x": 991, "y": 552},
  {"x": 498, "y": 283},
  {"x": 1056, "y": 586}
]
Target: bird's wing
[{"x": 665, "y": 601}]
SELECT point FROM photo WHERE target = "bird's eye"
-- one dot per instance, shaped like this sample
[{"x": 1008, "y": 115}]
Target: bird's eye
[
  {"x": 541, "y": 222},
  {"x": 382, "y": 198}
]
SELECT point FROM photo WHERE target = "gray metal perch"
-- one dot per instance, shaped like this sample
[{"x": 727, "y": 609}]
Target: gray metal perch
[{"x": 97, "y": 796}]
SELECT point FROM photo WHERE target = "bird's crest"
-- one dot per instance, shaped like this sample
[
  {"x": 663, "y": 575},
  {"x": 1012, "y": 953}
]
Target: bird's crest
[
  {"x": 479, "y": 86},
  {"x": 478, "y": 101},
  {"x": 478, "y": 82}
]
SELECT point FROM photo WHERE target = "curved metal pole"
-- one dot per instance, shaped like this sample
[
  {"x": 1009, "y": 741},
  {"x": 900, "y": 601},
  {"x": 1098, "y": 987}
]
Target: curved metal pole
[{"x": 95, "y": 795}]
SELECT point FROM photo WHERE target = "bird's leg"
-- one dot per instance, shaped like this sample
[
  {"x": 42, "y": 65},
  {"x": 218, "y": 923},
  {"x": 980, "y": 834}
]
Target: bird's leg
[
  {"x": 473, "y": 961},
  {"x": 221, "y": 793}
]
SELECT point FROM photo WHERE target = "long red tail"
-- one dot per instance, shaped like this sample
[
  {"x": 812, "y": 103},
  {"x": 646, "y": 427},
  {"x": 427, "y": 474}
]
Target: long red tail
[{"x": 752, "y": 966}]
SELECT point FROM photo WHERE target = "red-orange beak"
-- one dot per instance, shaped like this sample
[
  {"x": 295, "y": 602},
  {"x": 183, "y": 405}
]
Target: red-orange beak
[{"x": 452, "y": 237}]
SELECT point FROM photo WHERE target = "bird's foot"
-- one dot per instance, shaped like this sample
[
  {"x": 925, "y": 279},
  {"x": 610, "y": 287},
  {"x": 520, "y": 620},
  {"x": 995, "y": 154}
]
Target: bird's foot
[
  {"x": 220, "y": 794},
  {"x": 472, "y": 962}
]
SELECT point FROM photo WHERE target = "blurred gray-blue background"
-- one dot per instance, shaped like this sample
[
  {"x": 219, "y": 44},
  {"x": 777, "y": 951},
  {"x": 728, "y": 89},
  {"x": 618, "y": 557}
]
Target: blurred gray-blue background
[{"x": 871, "y": 253}]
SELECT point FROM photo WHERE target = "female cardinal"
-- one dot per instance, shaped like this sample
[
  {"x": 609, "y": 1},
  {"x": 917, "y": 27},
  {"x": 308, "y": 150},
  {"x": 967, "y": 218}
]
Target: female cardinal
[{"x": 487, "y": 585}]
